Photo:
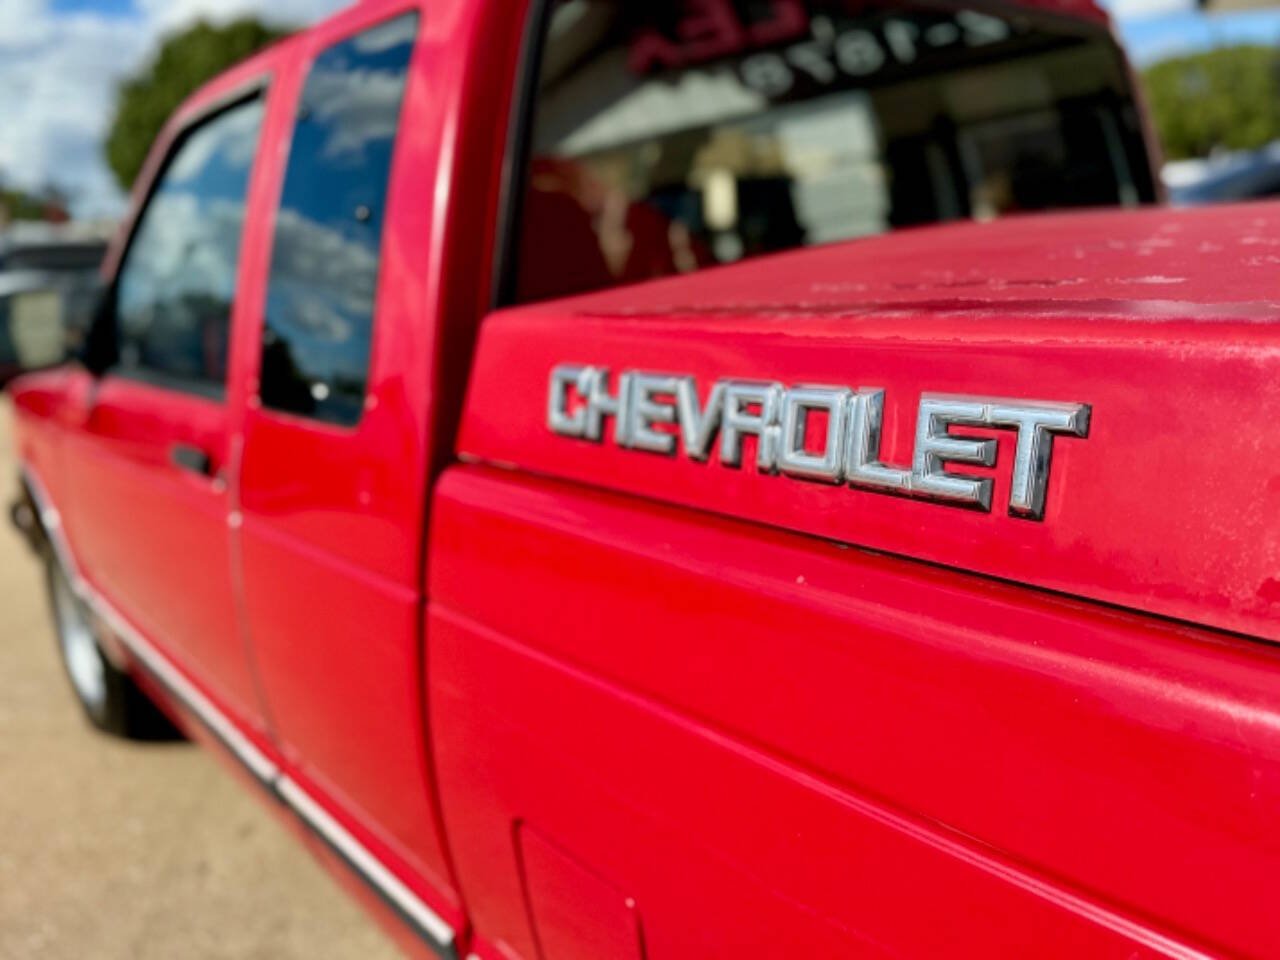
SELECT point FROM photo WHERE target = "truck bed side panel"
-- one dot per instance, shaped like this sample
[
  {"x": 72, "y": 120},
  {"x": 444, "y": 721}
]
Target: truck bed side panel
[
  {"x": 1169, "y": 506},
  {"x": 781, "y": 746}
]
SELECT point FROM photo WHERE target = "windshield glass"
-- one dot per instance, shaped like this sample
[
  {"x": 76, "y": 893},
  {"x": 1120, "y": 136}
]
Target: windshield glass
[{"x": 669, "y": 136}]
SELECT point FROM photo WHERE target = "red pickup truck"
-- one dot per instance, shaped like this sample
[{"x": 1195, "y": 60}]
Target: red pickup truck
[{"x": 582, "y": 594}]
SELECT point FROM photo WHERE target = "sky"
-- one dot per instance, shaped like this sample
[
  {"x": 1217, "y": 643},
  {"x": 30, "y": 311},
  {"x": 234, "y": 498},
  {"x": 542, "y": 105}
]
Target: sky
[
  {"x": 1153, "y": 30},
  {"x": 60, "y": 61}
]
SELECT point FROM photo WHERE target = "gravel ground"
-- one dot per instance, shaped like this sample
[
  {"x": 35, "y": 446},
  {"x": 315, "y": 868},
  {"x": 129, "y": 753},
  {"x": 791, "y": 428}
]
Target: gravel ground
[{"x": 117, "y": 850}]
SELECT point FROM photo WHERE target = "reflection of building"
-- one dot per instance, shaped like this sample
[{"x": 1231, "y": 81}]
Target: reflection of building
[{"x": 867, "y": 118}]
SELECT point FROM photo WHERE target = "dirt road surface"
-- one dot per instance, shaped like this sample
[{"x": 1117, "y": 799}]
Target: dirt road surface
[{"x": 114, "y": 850}]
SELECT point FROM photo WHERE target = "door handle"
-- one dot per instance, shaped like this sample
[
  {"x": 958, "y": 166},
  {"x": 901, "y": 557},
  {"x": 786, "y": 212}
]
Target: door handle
[{"x": 192, "y": 459}]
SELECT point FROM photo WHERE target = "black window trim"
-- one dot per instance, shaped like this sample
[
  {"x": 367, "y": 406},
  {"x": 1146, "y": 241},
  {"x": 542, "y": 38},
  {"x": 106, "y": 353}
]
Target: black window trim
[
  {"x": 255, "y": 88},
  {"x": 516, "y": 155}
]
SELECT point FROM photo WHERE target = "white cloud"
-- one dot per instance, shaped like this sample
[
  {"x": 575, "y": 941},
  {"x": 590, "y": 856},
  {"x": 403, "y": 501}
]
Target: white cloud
[
  {"x": 360, "y": 106},
  {"x": 57, "y": 81},
  {"x": 1124, "y": 10},
  {"x": 165, "y": 15},
  {"x": 59, "y": 73},
  {"x": 329, "y": 275},
  {"x": 16, "y": 16}
]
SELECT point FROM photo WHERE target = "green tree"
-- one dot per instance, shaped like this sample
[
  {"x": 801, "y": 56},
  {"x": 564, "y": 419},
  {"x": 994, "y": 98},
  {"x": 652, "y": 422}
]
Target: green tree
[
  {"x": 1227, "y": 98},
  {"x": 184, "y": 61}
]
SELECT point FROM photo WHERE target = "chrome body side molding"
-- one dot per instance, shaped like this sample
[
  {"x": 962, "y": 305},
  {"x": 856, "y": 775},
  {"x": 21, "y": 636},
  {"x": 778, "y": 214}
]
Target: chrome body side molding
[
  {"x": 433, "y": 929},
  {"x": 428, "y": 924}
]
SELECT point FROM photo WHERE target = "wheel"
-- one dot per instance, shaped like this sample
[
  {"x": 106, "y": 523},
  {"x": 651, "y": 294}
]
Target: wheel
[{"x": 110, "y": 699}]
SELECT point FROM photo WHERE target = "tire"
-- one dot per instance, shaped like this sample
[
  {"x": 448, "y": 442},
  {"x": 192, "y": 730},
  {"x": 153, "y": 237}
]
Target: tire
[{"x": 109, "y": 697}]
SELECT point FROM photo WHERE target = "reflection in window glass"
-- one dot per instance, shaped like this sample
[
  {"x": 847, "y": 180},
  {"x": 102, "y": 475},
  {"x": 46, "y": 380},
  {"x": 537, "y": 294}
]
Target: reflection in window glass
[
  {"x": 324, "y": 268},
  {"x": 178, "y": 279},
  {"x": 673, "y": 135}
]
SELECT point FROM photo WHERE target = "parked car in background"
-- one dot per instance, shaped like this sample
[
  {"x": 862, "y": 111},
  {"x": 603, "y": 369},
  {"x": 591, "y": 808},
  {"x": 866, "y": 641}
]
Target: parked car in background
[
  {"x": 33, "y": 329},
  {"x": 1251, "y": 175},
  {"x": 517, "y": 438},
  {"x": 49, "y": 288}
]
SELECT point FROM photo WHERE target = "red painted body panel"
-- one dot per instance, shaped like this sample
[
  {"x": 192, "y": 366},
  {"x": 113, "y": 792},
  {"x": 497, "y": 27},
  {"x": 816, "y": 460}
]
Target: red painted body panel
[
  {"x": 576, "y": 914},
  {"x": 1164, "y": 322},
  {"x": 602, "y": 702},
  {"x": 769, "y": 739},
  {"x": 324, "y": 527},
  {"x": 46, "y": 407},
  {"x": 330, "y": 537},
  {"x": 155, "y": 536}
]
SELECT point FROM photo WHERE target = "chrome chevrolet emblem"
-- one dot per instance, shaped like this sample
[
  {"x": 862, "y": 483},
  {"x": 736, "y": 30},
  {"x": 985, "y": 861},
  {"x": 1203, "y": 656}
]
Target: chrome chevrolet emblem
[{"x": 656, "y": 412}]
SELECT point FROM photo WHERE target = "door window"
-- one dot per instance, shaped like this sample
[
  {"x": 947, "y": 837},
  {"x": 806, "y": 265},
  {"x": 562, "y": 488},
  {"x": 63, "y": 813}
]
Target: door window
[
  {"x": 324, "y": 265},
  {"x": 178, "y": 279}
]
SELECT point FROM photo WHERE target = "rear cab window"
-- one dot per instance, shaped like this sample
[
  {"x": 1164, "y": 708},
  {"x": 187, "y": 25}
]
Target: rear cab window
[
  {"x": 667, "y": 137},
  {"x": 324, "y": 263}
]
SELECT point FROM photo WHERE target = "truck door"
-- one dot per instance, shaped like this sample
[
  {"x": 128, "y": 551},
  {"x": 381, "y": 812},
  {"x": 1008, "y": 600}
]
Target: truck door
[
  {"x": 333, "y": 473},
  {"x": 150, "y": 466}
]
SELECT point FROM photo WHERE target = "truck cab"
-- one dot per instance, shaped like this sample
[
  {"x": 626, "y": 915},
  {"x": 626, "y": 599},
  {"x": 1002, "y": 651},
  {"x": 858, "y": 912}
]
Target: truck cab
[{"x": 680, "y": 480}]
